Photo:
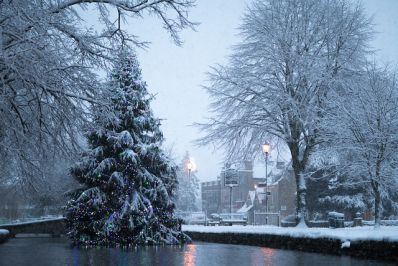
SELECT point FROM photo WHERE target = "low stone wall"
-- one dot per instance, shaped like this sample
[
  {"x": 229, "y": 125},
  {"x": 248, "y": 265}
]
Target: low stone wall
[
  {"x": 4, "y": 235},
  {"x": 369, "y": 249},
  {"x": 55, "y": 227}
]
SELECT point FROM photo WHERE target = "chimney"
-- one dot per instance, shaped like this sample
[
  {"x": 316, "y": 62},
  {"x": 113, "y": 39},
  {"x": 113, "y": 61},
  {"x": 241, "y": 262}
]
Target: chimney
[
  {"x": 248, "y": 165},
  {"x": 280, "y": 165}
]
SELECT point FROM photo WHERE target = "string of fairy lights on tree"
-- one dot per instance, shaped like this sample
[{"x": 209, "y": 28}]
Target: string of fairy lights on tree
[{"x": 128, "y": 182}]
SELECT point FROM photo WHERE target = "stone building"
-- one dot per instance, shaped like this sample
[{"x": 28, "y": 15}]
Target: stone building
[
  {"x": 211, "y": 196},
  {"x": 216, "y": 195},
  {"x": 245, "y": 183},
  {"x": 281, "y": 189}
]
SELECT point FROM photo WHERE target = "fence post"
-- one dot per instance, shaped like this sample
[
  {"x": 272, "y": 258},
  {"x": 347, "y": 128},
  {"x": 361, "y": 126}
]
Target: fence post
[{"x": 254, "y": 217}]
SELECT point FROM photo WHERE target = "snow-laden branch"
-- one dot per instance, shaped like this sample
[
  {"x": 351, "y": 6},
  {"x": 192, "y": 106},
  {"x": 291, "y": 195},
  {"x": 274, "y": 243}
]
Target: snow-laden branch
[
  {"x": 280, "y": 79},
  {"x": 48, "y": 63},
  {"x": 363, "y": 130},
  {"x": 131, "y": 6}
]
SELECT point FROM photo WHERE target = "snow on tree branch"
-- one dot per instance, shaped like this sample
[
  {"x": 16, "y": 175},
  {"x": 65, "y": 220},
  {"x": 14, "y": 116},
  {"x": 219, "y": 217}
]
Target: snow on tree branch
[
  {"x": 49, "y": 57},
  {"x": 278, "y": 80}
]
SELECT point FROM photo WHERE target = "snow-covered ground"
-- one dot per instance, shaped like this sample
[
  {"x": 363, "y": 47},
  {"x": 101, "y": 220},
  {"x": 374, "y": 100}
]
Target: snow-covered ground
[
  {"x": 386, "y": 233},
  {"x": 4, "y": 232}
]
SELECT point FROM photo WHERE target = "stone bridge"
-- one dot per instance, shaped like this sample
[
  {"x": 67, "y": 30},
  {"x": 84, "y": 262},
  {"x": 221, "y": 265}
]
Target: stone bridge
[{"x": 54, "y": 227}]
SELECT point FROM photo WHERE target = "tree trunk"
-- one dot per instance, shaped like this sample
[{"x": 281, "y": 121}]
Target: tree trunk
[
  {"x": 376, "y": 191},
  {"x": 377, "y": 208},
  {"x": 298, "y": 168},
  {"x": 301, "y": 208}
]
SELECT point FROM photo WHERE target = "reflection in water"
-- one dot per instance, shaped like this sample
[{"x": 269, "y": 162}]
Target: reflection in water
[
  {"x": 54, "y": 252},
  {"x": 190, "y": 255},
  {"x": 75, "y": 256},
  {"x": 268, "y": 254}
]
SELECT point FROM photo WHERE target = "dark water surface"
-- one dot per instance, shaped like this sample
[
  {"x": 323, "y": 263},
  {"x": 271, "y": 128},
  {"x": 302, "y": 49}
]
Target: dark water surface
[{"x": 57, "y": 251}]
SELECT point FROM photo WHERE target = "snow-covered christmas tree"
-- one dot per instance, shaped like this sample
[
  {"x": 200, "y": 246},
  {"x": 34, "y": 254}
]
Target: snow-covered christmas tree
[{"x": 128, "y": 181}]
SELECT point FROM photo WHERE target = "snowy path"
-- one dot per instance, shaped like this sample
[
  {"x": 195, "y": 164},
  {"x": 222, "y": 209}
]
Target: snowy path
[{"x": 386, "y": 233}]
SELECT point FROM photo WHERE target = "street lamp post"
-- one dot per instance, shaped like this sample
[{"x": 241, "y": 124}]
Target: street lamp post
[
  {"x": 231, "y": 183},
  {"x": 266, "y": 150},
  {"x": 230, "y": 199},
  {"x": 230, "y": 193},
  {"x": 189, "y": 167}
]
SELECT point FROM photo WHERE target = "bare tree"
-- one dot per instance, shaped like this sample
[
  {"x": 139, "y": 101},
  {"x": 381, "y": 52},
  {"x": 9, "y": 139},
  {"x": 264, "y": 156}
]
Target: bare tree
[
  {"x": 48, "y": 60},
  {"x": 278, "y": 79},
  {"x": 362, "y": 126}
]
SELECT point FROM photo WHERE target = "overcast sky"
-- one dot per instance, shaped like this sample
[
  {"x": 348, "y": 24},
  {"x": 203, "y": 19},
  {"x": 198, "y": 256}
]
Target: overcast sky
[{"x": 175, "y": 74}]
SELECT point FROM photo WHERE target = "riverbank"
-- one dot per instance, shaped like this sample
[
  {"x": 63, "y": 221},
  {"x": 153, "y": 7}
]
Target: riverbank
[
  {"x": 364, "y": 242},
  {"x": 4, "y": 234}
]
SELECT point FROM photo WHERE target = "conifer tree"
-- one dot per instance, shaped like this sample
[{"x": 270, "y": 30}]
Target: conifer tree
[
  {"x": 127, "y": 180},
  {"x": 188, "y": 186}
]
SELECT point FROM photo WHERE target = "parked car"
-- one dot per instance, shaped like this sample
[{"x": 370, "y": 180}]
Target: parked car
[
  {"x": 289, "y": 221},
  {"x": 233, "y": 218},
  {"x": 214, "y": 219},
  {"x": 336, "y": 219}
]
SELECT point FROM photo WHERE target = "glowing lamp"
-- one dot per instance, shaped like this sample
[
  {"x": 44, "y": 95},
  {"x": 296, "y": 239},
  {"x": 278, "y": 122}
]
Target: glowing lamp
[
  {"x": 189, "y": 166},
  {"x": 266, "y": 148}
]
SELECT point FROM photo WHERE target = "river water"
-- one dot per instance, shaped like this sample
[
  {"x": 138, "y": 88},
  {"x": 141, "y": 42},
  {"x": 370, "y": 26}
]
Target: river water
[{"x": 57, "y": 251}]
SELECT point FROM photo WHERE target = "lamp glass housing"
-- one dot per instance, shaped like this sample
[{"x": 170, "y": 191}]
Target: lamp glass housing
[
  {"x": 190, "y": 165},
  {"x": 266, "y": 148}
]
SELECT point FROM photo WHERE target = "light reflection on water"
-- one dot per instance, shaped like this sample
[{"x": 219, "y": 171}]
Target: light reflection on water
[
  {"x": 268, "y": 255},
  {"x": 56, "y": 251},
  {"x": 190, "y": 255}
]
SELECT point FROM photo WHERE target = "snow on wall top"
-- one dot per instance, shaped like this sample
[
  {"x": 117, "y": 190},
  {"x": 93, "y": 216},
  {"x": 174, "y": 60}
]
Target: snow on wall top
[{"x": 384, "y": 233}]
